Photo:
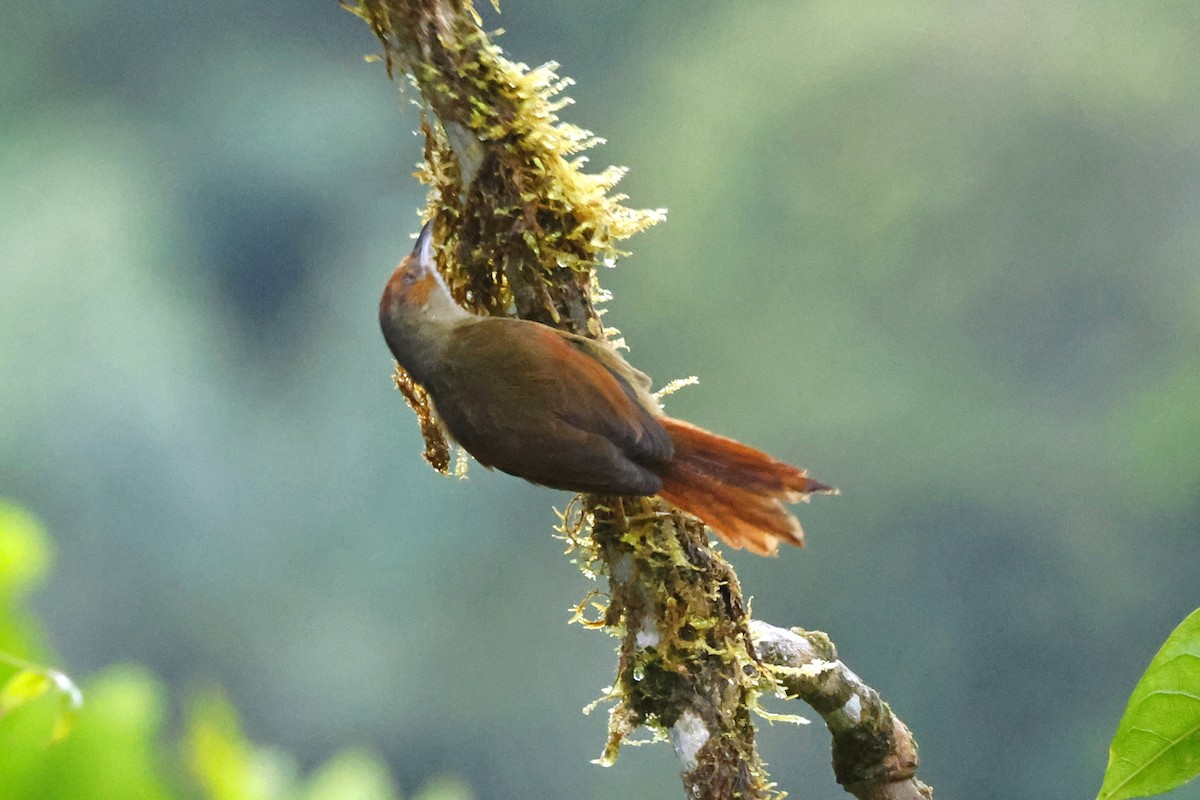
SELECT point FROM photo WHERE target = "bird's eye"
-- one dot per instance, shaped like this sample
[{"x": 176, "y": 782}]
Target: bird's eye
[{"x": 409, "y": 279}]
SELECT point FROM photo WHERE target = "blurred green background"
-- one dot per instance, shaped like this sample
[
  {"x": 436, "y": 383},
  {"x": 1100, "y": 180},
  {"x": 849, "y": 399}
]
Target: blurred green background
[{"x": 943, "y": 254}]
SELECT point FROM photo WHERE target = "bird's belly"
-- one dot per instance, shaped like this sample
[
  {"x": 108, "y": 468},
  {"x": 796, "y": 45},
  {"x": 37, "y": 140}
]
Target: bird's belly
[{"x": 548, "y": 451}]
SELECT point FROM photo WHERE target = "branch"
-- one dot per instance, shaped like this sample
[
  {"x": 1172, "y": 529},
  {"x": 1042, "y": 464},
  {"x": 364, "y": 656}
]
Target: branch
[
  {"x": 686, "y": 667},
  {"x": 522, "y": 229},
  {"x": 874, "y": 753}
]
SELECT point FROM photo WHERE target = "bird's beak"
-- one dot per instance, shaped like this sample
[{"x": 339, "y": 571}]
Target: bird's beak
[{"x": 423, "y": 250}]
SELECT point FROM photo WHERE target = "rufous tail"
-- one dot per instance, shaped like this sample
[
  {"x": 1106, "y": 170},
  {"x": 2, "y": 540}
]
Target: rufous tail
[{"x": 737, "y": 491}]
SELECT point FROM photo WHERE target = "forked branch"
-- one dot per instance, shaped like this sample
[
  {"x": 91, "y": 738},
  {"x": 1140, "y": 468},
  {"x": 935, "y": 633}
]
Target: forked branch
[{"x": 522, "y": 229}]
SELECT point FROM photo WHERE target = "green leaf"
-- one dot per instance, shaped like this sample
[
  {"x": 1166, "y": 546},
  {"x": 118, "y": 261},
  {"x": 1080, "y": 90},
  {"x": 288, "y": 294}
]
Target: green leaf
[
  {"x": 31, "y": 682},
  {"x": 115, "y": 750},
  {"x": 26, "y": 685},
  {"x": 24, "y": 550},
  {"x": 219, "y": 755},
  {"x": 445, "y": 787},
  {"x": 70, "y": 702},
  {"x": 1157, "y": 744},
  {"x": 352, "y": 775},
  {"x": 225, "y": 763}
]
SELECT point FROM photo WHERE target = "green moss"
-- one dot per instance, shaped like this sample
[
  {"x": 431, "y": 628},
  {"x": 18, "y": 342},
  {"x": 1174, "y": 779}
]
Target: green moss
[
  {"x": 676, "y": 607},
  {"x": 524, "y": 234}
]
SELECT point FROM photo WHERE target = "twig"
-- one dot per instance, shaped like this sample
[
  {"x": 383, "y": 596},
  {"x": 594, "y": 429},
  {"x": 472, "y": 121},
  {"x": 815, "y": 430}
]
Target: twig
[{"x": 874, "y": 753}]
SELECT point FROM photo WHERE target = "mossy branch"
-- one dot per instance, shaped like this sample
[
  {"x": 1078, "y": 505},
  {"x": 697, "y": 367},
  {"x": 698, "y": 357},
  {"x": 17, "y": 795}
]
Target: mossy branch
[
  {"x": 522, "y": 229},
  {"x": 874, "y": 753}
]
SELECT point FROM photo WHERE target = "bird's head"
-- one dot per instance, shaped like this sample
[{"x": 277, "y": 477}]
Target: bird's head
[
  {"x": 417, "y": 311},
  {"x": 416, "y": 279}
]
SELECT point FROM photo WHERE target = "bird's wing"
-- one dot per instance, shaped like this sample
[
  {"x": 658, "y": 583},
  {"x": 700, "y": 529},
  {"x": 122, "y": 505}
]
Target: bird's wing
[
  {"x": 549, "y": 378},
  {"x": 621, "y": 368}
]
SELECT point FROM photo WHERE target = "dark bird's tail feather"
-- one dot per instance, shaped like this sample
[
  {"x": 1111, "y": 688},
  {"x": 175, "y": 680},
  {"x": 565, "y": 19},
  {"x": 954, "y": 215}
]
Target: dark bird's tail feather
[{"x": 736, "y": 490}]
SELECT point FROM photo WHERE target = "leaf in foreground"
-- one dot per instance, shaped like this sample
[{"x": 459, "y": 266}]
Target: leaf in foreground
[
  {"x": 1157, "y": 744},
  {"x": 30, "y": 683}
]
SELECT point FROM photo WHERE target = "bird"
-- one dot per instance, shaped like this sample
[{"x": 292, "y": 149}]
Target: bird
[{"x": 569, "y": 412}]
